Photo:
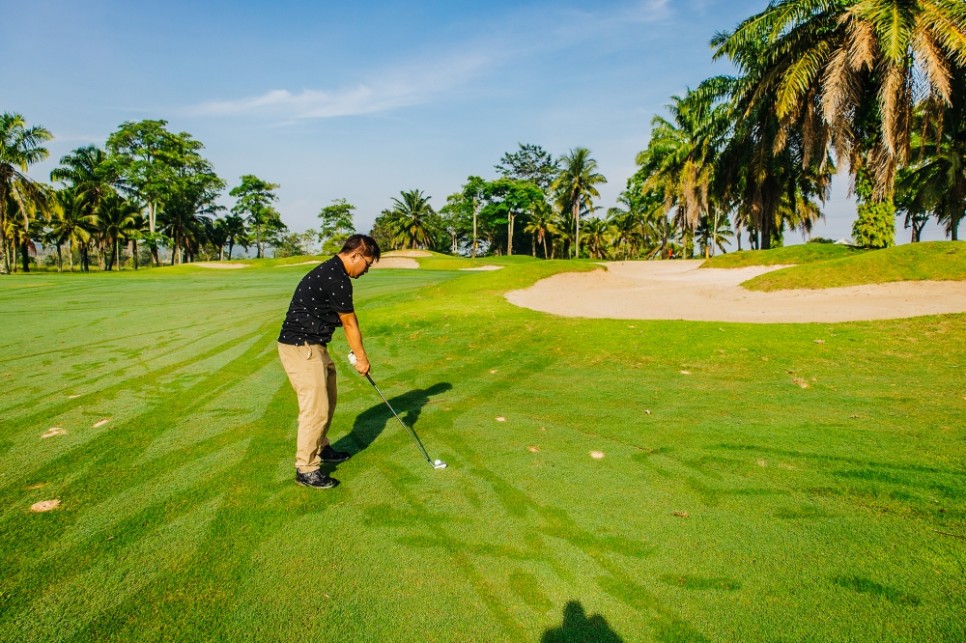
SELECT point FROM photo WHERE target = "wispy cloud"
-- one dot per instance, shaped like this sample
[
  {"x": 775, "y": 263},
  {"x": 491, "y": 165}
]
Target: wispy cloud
[
  {"x": 406, "y": 86},
  {"x": 444, "y": 71}
]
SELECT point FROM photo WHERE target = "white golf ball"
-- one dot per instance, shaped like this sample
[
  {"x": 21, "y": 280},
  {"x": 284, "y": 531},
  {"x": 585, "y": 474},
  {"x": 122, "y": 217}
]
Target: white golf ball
[{"x": 438, "y": 462}]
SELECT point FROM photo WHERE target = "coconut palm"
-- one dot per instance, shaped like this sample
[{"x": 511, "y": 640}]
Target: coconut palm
[
  {"x": 679, "y": 162},
  {"x": 117, "y": 219},
  {"x": 852, "y": 69},
  {"x": 236, "y": 232},
  {"x": 575, "y": 187},
  {"x": 713, "y": 233},
  {"x": 91, "y": 175},
  {"x": 69, "y": 224},
  {"x": 20, "y": 147},
  {"x": 638, "y": 227},
  {"x": 597, "y": 237},
  {"x": 542, "y": 224},
  {"x": 412, "y": 221},
  {"x": 935, "y": 182}
]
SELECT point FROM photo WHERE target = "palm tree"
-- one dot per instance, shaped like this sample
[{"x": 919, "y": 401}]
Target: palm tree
[
  {"x": 91, "y": 174},
  {"x": 542, "y": 224},
  {"x": 679, "y": 161},
  {"x": 412, "y": 220},
  {"x": 713, "y": 233},
  {"x": 235, "y": 232},
  {"x": 20, "y": 147},
  {"x": 935, "y": 183},
  {"x": 850, "y": 71},
  {"x": 575, "y": 187},
  {"x": 69, "y": 224},
  {"x": 598, "y": 236},
  {"x": 117, "y": 218}
]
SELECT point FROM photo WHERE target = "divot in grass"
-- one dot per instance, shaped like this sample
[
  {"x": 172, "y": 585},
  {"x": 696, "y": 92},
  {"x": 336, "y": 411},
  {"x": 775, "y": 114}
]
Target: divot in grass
[
  {"x": 44, "y": 505},
  {"x": 52, "y": 431},
  {"x": 501, "y": 419},
  {"x": 597, "y": 455},
  {"x": 101, "y": 423}
]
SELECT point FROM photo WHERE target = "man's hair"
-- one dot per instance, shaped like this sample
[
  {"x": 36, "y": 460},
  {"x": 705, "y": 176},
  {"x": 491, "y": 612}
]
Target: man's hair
[{"x": 362, "y": 242}]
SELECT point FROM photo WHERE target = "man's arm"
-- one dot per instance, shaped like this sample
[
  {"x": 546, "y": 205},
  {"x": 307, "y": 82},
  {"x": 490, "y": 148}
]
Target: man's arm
[{"x": 354, "y": 336}]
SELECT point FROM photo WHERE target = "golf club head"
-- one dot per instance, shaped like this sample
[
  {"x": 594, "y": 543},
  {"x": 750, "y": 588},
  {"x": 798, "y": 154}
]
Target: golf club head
[{"x": 439, "y": 464}]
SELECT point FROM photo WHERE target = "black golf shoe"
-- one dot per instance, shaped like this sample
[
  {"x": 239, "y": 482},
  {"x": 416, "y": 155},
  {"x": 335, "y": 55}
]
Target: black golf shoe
[
  {"x": 328, "y": 454},
  {"x": 315, "y": 479}
]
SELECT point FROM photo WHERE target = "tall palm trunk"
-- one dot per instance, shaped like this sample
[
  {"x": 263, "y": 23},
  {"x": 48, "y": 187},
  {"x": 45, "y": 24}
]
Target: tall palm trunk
[
  {"x": 577, "y": 228},
  {"x": 476, "y": 211},
  {"x": 509, "y": 233}
]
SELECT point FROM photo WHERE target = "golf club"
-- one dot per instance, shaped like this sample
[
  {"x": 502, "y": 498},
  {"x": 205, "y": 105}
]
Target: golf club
[{"x": 436, "y": 464}]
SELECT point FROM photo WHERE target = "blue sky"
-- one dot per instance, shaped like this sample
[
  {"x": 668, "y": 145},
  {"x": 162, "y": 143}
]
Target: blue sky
[{"x": 363, "y": 100}]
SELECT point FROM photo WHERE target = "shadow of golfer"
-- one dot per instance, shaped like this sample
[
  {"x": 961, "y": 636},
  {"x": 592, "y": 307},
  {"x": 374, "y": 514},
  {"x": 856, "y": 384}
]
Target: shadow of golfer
[
  {"x": 577, "y": 627},
  {"x": 371, "y": 422}
]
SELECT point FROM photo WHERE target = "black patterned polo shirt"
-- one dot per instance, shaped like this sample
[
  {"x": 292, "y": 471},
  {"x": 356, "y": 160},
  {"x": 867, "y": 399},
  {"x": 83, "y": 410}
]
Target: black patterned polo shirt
[{"x": 313, "y": 315}]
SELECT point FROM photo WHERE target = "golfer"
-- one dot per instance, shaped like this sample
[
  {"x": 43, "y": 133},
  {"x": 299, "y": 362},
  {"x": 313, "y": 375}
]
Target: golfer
[{"x": 322, "y": 301}]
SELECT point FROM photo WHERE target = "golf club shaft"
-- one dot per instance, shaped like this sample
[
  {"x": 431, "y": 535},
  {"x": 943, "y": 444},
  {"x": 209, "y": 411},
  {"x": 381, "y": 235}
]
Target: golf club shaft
[{"x": 416, "y": 439}]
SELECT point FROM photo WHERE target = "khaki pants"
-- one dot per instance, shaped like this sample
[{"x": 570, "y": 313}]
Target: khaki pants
[{"x": 312, "y": 374}]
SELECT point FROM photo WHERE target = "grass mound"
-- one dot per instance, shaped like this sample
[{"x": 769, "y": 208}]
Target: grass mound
[
  {"x": 789, "y": 255},
  {"x": 932, "y": 261}
]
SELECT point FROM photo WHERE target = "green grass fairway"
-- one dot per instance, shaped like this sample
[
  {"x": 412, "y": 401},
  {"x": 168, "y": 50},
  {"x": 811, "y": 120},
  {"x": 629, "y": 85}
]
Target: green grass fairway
[{"x": 607, "y": 480}]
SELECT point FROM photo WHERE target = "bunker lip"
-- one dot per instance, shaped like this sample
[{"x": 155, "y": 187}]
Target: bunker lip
[{"x": 679, "y": 290}]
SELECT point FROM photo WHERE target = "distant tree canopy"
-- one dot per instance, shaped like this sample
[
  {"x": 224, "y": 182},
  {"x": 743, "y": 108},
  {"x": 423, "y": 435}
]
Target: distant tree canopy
[{"x": 336, "y": 225}]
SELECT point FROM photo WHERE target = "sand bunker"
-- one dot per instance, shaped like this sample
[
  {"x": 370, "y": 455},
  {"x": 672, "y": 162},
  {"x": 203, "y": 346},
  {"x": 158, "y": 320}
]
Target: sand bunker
[
  {"x": 396, "y": 262},
  {"x": 407, "y": 253},
  {"x": 487, "y": 267},
  {"x": 680, "y": 290},
  {"x": 219, "y": 265}
]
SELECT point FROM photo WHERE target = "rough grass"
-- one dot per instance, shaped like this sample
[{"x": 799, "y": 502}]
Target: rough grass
[{"x": 758, "y": 482}]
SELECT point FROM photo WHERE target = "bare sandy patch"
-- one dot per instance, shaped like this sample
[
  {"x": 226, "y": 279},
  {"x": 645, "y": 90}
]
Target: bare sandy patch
[
  {"x": 680, "y": 290},
  {"x": 396, "y": 262},
  {"x": 44, "y": 505},
  {"x": 407, "y": 253},
  {"x": 218, "y": 265},
  {"x": 313, "y": 262},
  {"x": 52, "y": 431},
  {"x": 487, "y": 267}
]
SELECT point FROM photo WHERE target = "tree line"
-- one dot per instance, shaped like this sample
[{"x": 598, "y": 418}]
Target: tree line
[
  {"x": 148, "y": 186},
  {"x": 874, "y": 87}
]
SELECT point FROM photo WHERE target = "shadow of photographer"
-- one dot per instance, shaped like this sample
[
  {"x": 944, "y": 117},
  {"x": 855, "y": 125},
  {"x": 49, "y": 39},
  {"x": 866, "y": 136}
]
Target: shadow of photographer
[{"x": 578, "y": 627}]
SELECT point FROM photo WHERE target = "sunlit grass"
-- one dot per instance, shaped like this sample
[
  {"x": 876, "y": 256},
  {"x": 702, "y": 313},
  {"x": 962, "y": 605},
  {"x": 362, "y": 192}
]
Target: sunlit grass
[{"x": 747, "y": 482}]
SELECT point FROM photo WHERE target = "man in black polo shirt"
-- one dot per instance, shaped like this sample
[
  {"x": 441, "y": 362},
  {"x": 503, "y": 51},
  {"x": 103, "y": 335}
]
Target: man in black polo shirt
[{"x": 322, "y": 301}]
